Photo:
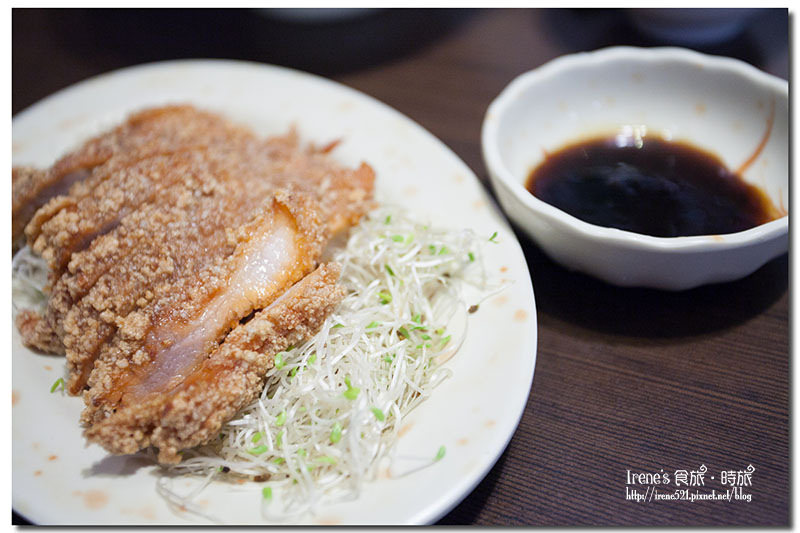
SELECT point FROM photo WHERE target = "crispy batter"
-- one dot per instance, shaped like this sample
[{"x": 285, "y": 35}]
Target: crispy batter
[
  {"x": 161, "y": 179},
  {"x": 147, "y": 133},
  {"x": 344, "y": 194},
  {"x": 229, "y": 379},
  {"x": 37, "y": 333},
  {"x": 26, "y": 186}
]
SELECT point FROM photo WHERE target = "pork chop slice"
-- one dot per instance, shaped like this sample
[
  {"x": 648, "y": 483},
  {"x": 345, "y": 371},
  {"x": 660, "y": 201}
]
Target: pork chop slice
[{"x": 192, "y": 411}]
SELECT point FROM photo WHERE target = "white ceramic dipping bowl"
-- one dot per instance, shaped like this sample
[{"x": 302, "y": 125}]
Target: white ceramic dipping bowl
[{"x": 717, "y": 104}]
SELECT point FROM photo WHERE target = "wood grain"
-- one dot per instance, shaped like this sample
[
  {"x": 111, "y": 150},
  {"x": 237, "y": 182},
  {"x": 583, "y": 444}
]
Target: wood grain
[{"x": 626, "y": 379}]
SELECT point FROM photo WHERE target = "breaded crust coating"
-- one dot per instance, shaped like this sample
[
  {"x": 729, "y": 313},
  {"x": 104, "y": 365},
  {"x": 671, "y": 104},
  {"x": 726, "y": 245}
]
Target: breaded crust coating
[
  {"x": 37, "y": 333},
  {"x": 150, "y": 132},
  {"x": 26, "y": 184}
]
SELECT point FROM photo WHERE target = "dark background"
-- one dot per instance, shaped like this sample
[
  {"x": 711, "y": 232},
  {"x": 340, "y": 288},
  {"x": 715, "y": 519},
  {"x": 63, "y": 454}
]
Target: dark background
[{"x": 626, "y": 378}]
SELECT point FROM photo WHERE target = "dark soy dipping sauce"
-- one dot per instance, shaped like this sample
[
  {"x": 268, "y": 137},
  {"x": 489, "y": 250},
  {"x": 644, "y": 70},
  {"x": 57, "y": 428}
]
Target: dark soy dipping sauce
[{"x": 660, "y": 188}]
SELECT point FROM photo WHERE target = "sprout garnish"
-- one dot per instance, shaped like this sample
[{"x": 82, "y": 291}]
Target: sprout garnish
[{"x": 312, "y": 432}]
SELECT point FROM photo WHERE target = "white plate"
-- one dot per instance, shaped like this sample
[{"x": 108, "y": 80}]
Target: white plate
[{"x": 58, "y": 480}]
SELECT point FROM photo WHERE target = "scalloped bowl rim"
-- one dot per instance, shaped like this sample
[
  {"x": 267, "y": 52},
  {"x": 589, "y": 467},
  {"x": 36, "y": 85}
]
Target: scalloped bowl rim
[{"x": 497, "y": 168}]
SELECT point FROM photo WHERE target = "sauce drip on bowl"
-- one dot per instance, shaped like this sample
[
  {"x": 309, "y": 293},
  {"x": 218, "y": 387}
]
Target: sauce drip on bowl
[{"x": 649, "y": 186}]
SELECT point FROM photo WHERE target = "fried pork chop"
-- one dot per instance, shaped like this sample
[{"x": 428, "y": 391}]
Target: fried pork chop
[{"x": 160, "y": 242}]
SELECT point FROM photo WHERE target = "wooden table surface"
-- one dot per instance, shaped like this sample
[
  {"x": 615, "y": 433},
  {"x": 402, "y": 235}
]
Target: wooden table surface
[{"x": 626, "y": 379}]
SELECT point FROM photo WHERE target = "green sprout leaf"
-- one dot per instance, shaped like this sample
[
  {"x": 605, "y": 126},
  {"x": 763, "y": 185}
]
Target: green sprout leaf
[
  {"x": 352, "y": 392},
  {"x": 385, "y": 297},
  {"x": 336, "y": 433},
  {"x": 58, "y": 383},
  {"x": 440, "y": 453},
  {"x": 258, "y": 450}
]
